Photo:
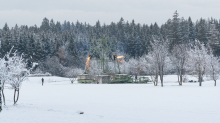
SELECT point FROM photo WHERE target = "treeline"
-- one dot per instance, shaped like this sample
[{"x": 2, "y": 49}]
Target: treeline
[{"x": 66, "y": 45}]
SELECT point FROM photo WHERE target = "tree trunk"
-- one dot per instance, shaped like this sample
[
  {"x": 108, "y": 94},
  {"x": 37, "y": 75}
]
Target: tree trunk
[
  {"x": 156, "y": 80},
  {"x": 200, "y": 80},
  {"x": 16, "y": 100},
  {"x": 155, "y": 83},
  {"x": 215, "y": 82},
  {"x": 17, "y": 95},
  {"x": 14, "y": 95},
  {"x": 161, "y": 79},
  {"x": 161, "y": 76},
  {"x": 3, "y": 92},
  {"x": 0, "y": 98},
  {"x": 200, "y": 83},
  {"x": 3, "y": 95},
  {"x": 181, "y": 80}
]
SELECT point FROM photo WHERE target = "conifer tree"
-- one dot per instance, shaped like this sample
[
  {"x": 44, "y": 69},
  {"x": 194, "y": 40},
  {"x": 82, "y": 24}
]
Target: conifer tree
[
  {"x": 213, "y": 39},
  {"x": 6, "y": 43},
  {"x": 192, "y": 30},
  {"x": 72, "y": 49},
  {"x": 58, "y": 26},
  {"x": 184, "y": 31},
  {"x": 22, "y": 46},
  {"x": 15, "y": 39},
  {"x": 31, "y": 45},
  {"x": 175, "y": 31},
  {"x": 38, "y": 52},
  {"x": 131, "y": 40},
  {"x": 6, "y": 28},
  {"x": 45, "y": 26},
  {"x": 53, "y": 26},
  {"x": 202, "y": 34},
  {"x": 143, "y": 40}
]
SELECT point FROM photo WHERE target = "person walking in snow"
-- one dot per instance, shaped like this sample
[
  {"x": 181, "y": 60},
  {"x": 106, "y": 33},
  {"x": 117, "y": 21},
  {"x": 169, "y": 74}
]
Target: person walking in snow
[{"x": 42, "y": 81}]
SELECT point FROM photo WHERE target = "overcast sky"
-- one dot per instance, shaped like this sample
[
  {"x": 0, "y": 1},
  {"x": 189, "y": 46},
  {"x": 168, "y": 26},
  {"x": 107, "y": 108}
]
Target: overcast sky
[{"x": 30, "y": 12}]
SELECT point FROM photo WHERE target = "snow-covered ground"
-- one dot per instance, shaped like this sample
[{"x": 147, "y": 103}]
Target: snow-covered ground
[{"x": 59, "y": 101}]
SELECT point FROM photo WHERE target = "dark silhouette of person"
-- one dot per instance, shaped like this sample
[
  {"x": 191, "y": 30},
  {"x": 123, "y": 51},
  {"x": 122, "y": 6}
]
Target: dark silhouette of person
[{"x": 42, "y": 81}]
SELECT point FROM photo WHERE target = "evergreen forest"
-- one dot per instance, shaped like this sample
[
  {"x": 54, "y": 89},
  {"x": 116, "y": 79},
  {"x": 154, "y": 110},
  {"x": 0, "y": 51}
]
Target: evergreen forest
[{"x": 57, "y": 46}]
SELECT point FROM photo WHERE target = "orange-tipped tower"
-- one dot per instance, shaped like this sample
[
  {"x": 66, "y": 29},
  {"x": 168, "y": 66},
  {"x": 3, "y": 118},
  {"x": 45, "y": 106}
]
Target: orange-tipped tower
[
  {"x": 119, "y": 57},
  {"x": 88, "y": 63},
  {"x": 122, "y": 61}
]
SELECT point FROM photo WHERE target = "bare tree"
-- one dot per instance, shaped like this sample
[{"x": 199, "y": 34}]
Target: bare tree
[
  {"x": 179, "y": 58},
  {"x": 72, "y": 74},
  {"x": 159, "y": 55},
  {"x": 152, "y": 68},
  {"x": 136, "y": 66},
  {"x": 125, "y": 67},
  {"x": 17, "y": 73},
  {"x": 3, "y": 76},
  {"x": 198, "y": 61},
  {"x": 213, "y": 66}
]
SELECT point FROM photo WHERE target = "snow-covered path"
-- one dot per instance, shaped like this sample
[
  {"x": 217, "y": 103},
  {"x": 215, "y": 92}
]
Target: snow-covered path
[{"x": 61, "y": 102}]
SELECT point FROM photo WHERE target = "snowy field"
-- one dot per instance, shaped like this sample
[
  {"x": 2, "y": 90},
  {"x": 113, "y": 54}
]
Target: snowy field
[{"x": 59, "y": 101}]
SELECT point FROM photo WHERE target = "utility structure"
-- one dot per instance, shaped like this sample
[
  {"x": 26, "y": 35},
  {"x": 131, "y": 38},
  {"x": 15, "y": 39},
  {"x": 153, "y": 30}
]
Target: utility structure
[{"x": 103, "y": 53}]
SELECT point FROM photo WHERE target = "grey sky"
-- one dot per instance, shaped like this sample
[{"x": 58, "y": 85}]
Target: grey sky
[{"x": 30, "y": 12}]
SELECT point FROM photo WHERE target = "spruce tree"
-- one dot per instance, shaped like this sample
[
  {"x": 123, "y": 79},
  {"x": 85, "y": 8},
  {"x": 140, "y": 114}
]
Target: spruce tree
[
  {"x": 68, "y": 26},
  {"x": 175, "y": 31},
  {"x": 31, "y": 45},
  {"x": 213, "y": 40},
  {"x": 22, "y": 46},
  {"x": 138, "y": 38},
  {"x": 202, "y": 34},
  {"x": 15, "y": 39},
  {"x": 156, "y": 30},
  {"x": 131, "y": 44},
  {"x": 143, "y": 41},
  {"x": 5, "y": 28},
  {"x": 184, "y": 31},
  {"x": 53, "y": 26},
  {"x": 45, "y": 26},
  {"x": 47, "y": 48},
  {"x": 58, "y": 26},
  {"x": 6, "y": 43},
  {"x": 72, "y": 51},
  {"x": 192, "y": 30},
  {"x": 38, "y": 52}
]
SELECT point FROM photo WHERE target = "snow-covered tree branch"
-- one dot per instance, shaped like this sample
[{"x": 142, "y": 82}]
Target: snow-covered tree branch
[
  {"x": 159, "y": 58},
  {"x": 179, "y": 58},
  {"x": 17, "y": 73},
  {"x": 72, "y": 74},
  {"x": 198, "y": 61},
  {"x": 213, "y": 66}
]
